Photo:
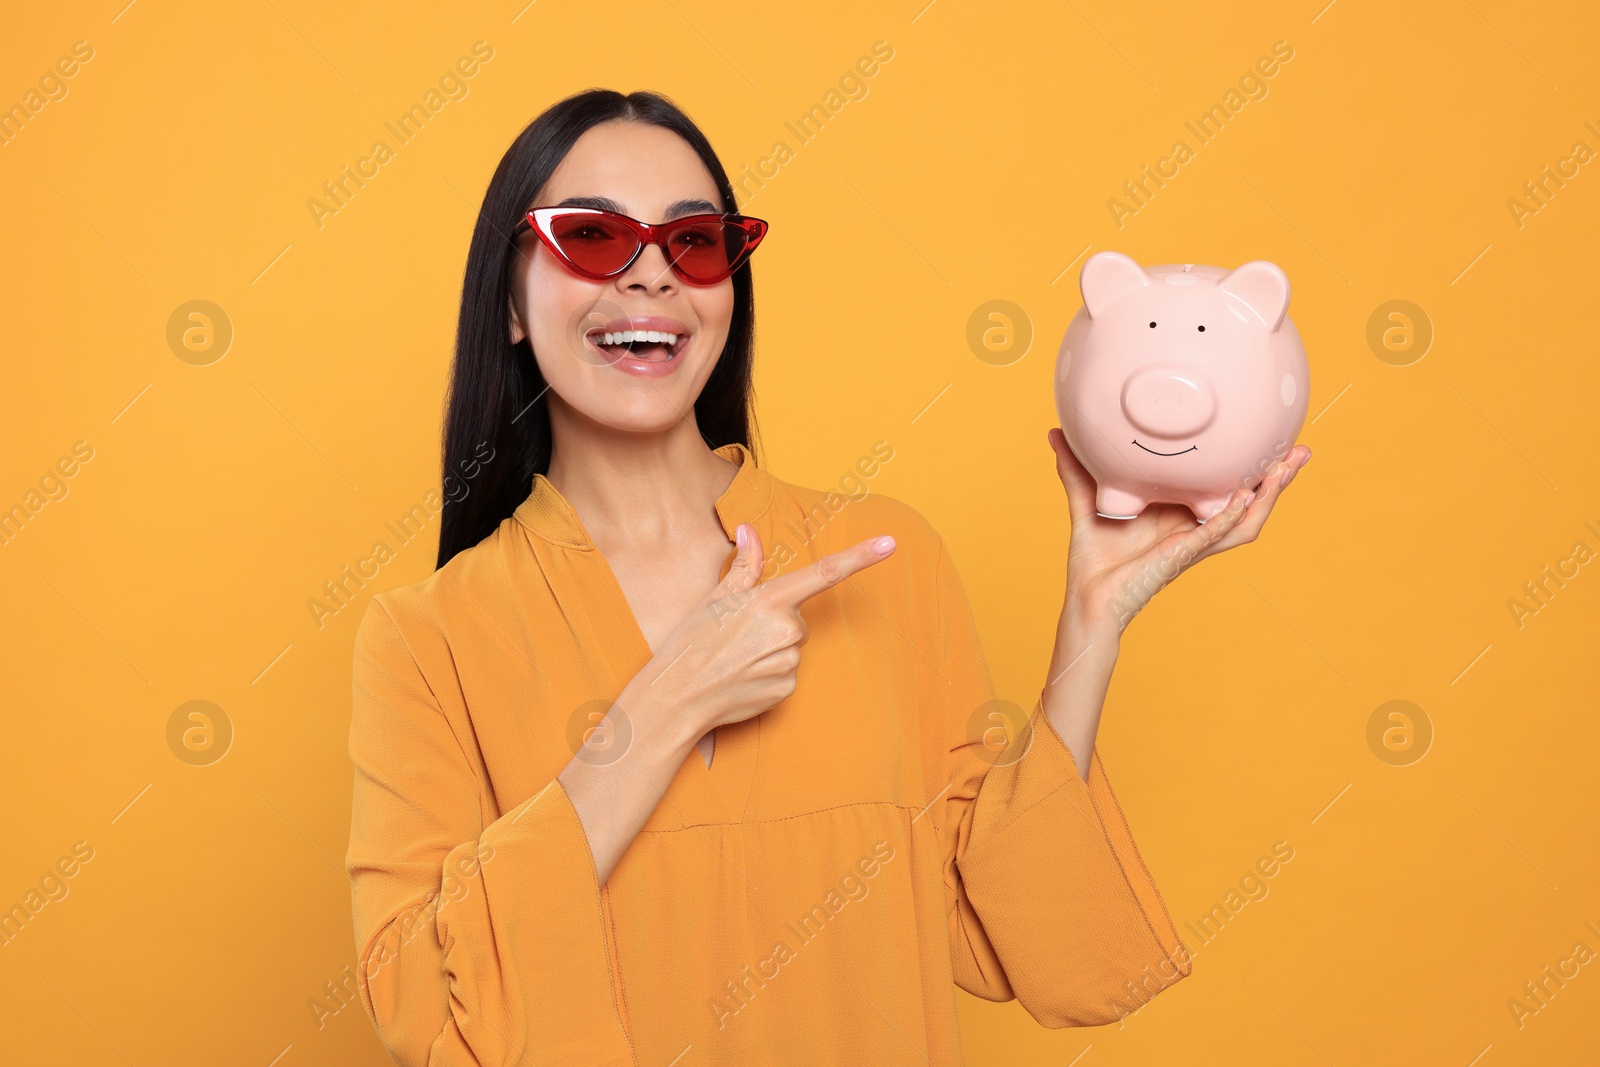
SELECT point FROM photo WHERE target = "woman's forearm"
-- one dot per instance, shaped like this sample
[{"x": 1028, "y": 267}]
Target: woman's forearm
[
  {"x": 614, "y": 790},
  {"x": 1080, "y": 674}
]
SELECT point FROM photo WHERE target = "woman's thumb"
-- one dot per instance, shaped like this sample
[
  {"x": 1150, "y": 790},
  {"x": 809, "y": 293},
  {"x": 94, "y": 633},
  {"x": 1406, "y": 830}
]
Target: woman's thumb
[{"x": 745, "y": 570}]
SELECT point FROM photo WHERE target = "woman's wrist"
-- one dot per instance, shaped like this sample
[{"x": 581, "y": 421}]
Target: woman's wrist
[
  {"x": 659, "y": 723},
  {"x": 1090, "y": 616},
  {"x": 1084, "y": 640},
  {"x": 634, "y": 751}
]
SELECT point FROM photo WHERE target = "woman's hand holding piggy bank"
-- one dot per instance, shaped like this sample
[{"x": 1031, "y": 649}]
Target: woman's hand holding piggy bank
[{"x": 1181, "y": 385}]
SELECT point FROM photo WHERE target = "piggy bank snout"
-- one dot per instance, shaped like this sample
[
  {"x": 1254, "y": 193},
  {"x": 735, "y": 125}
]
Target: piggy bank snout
[{"x": 1168, "y": 402}]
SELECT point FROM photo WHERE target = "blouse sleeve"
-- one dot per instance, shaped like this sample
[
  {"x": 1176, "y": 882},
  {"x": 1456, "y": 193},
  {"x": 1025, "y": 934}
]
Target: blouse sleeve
[
  {"x": 477, "y": 944},
  {"x": 1047, "y": 897}
]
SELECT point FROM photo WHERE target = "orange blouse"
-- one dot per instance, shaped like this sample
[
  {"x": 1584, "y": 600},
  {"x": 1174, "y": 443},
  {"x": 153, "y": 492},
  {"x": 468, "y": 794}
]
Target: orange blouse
[{"x": 851, "y": 855}]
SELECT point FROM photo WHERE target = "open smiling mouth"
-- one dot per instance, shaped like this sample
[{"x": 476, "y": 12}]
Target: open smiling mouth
[
  {"x": 1153, "y": 452},
  {"x": 649, "y": 346}
]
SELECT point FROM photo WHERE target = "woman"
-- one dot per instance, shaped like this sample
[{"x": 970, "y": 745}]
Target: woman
[{"x": 606, "y": 811}]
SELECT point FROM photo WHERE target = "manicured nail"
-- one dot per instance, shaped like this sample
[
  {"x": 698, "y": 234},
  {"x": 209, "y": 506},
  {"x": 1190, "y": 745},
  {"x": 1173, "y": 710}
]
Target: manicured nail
[
  {"x": 882, "y": 545},
  {"x": 1287, "y": 477},
  {"x": 739, "y": 535}
]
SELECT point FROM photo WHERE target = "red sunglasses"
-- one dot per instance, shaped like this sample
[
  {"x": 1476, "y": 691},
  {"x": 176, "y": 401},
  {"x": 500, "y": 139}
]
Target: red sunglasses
[{"x": 701, "y": 249}]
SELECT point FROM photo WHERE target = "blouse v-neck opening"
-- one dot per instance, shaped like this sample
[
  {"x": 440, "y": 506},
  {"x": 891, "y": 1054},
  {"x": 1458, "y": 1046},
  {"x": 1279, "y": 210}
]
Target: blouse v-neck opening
[{"x": 699, "y": 793}]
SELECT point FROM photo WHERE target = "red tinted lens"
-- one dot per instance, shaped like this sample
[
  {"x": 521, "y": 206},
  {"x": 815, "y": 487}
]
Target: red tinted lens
[
  {"x": 594, "y": 243},
  {"x": 709, "y": 249}
]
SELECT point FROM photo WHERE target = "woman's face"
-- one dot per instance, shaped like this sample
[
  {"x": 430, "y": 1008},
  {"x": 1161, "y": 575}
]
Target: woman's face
[{"x": 652, "y": 175}]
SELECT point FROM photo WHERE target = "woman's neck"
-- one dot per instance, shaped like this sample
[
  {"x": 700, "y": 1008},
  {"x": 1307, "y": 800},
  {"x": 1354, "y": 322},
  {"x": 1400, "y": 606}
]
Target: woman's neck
[{"x": 638, "y": 489}]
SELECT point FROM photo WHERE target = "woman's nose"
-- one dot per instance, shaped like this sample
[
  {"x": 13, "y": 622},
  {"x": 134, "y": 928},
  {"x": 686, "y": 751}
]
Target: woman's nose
[{"x": 650, "y": 269}]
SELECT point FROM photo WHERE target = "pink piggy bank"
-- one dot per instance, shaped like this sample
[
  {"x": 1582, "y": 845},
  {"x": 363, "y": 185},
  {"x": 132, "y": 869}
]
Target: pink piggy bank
[{"x": 1180, "y": 383}]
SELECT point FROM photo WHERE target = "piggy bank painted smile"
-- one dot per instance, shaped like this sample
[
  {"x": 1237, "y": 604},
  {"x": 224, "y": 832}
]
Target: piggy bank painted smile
[{"x": 1180, "y": 383}]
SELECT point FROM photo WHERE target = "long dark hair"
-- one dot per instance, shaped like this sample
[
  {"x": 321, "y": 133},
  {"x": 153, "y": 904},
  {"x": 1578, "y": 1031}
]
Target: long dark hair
[{"x": 496, "y": 399}]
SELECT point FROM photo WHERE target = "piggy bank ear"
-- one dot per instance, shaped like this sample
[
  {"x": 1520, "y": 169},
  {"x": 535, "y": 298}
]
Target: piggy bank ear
[
  {"x": 1263, "y": 287},
  {"x": 1106, "y": 276}
]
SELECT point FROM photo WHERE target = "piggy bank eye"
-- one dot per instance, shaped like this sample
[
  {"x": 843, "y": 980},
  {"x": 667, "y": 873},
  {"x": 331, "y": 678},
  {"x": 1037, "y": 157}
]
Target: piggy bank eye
[
  {"x": 1202, "y": 329},
  {"x": 1152, "y": 325}
]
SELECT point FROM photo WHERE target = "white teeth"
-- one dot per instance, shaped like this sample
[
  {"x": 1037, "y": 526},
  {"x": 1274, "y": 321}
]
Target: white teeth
[{"x": 645, "y": 336}]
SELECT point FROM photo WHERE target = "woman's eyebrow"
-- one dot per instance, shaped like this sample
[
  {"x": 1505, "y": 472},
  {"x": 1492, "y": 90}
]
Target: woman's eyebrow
[{"x": 605, "y": 203}]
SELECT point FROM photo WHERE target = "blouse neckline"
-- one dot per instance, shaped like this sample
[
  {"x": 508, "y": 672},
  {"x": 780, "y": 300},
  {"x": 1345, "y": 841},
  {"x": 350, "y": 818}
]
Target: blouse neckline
[{"x": 547, "y": 513}]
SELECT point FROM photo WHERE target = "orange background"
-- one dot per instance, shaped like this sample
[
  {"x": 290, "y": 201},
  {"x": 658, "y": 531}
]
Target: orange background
[{"x": 977, "y": 166}]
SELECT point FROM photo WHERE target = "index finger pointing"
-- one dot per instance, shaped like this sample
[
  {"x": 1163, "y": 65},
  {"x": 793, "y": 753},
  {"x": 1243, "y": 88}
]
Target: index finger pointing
[{"x": 830, "y": 570}]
